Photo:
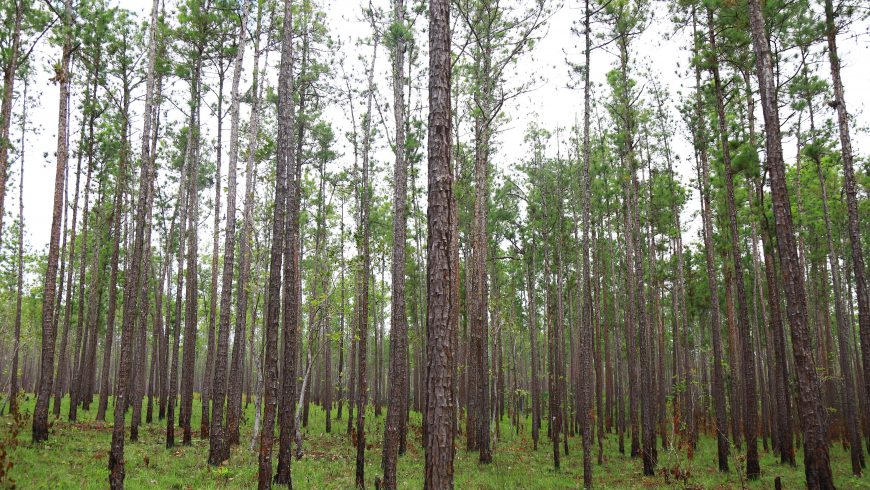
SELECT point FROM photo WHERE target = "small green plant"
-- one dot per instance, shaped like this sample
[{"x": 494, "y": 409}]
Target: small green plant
[{"x": 14, "y": 424}]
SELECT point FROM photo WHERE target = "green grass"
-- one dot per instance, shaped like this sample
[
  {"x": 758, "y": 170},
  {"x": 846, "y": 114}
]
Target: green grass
[{"x": 75, "y": 456}]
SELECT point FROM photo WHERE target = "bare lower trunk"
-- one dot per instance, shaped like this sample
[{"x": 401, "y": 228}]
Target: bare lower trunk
[
  {"x": 438, "y": 440},
  {"x": 62, "y": 75},
  {"x": 816, "y": 459}
]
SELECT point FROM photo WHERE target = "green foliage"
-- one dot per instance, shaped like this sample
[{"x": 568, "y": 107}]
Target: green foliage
[{"x": 76, "y": 458}]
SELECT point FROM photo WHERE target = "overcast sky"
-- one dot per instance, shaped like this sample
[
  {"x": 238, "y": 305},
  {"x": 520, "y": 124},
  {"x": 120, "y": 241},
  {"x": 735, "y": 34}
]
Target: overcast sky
[{"x": 551, "y": 104}]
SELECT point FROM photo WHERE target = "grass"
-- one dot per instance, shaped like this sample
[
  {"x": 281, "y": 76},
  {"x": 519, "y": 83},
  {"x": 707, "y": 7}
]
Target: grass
[{"x": 76, "y": 456}]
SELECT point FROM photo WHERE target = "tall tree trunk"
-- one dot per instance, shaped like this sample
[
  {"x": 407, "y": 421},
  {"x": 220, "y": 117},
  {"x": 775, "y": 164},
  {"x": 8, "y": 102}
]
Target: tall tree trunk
[
  {"x": 46, "y": 372},
  {"x": 363, "y": 321},
  {"x": 62, "y": 368},
  {"x": 219, "y": 446},
  {"x": 750, "y": 409},
  {"x": 236, "y": 371},
  {"x": 718, "y": 381},
  {"x": 441, "y": 300},
  {"x": 586, "y": 334},
  {"x": 854, "y": 220},
  {"x": 284, "y": 158},
  {"x": 19, "y": 280},
  {"x": 191, "y": 293},
  {"x": 183, "y": 204},
  {"x": 9, "y": 69},
  {"x": 134, "y": 278},
  {"x": 398, "y": 395},
  {"x": 816, "y": 460},
  {"x": 533, "y": 342},
  {"x": 850, "y": 419}
]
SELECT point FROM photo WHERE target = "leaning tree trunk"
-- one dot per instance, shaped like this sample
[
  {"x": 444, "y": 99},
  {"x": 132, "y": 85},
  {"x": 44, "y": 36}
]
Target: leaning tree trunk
[
  {"x": 854, "y": 219},
  {"x": 816, "y": 460}
]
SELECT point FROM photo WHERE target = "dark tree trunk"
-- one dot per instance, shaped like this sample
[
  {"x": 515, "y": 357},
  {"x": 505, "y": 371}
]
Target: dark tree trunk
[
  {"x": 441, "y": 300},
  {"x": 398, "y": 395},
  {"x": 750, "y": 409},
  {"x": 816, "y": 460},
  {"x": 854, "y": 220},
  {"x": 718, "y": 382},
  {"x": 284, "y": 158},
  {"x": 191, "y": 293},
  {"x": 9, "y": 70},
  {"x": 533, "y": 341},
  {"x": 135, "y": 279},
  {"x": 363, "y": 320},
  {"x": 19, "y": 280},
  {"x": 46, "y": 372},
  {"x": 62, "y": 364},
  {"x": 219, "y": 445},
  {"x": 584, "y": 300}
]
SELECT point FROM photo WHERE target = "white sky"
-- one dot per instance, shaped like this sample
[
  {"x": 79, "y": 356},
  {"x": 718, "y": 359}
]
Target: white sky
[{"x": 552, "y": 104}]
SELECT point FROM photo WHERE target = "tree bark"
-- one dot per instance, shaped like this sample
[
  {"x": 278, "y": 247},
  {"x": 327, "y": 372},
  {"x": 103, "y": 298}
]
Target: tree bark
[
  {"x": 398, "y": 395},
  {"x": 718, "y": 383},
  {"x": 854, "y": 220},
  {"x": 750, "y": 409},
  {"x": 19, "y": 281},
  {"x": 46, "y": 373},
  {"x": 134, "y": 278},
  {"x": 219, "y": 445},
  {"x": 9, "y": 70},
  {"x": 236, "y": 371},
  {"x": 816, "y": 460},
  {"x": 284, "y": 158},
  {"x": 441, "y": 300}
]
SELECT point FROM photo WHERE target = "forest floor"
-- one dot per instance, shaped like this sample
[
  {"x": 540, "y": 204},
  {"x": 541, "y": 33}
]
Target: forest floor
[{"x": 76, "y": 456}]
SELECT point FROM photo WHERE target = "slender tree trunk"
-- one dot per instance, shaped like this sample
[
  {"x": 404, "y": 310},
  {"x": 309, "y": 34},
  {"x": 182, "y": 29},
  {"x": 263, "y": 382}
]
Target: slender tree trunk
[
  {"x": 718, "y": 382},
  {"x": 183, "y": 203},
  {"x": 219, "y": 445},
  {"x": 134, "y": 278},
  {"x": 750, "y": 409},
  {"x": 398, "y": 395},
  {"x": 46, "y": 373},
  {"x": 363, "y": 321},
  {"x": 284, "y": 158},
  {"x": 19, "y": 281},
  {"x": 236, "y": 371},
  {"x": 533, "y": 341},
  {"x": 850, "y": 419},
  {"x": 584, "y": 408},
  {"x": 854, "y": 220},
  {"x": 62, "y": 368},
  {"x": 9, "y": 70},
  {"x": 191, "y": 293}
]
